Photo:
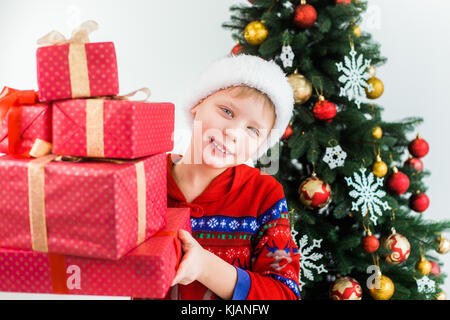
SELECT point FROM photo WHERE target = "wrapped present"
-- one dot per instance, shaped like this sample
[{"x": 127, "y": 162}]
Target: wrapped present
[
  {"x": 112, "y": 128},
  {"x": 89, "y": 209},
  {"x": 23, "y": 122},
  {"x": 147, "y": 271},
  {"x": 75, "y": 68}
]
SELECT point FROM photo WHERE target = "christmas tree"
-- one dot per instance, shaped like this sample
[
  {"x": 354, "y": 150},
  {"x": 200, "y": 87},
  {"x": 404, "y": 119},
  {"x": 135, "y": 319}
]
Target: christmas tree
[{"x": 353, "y": 182}]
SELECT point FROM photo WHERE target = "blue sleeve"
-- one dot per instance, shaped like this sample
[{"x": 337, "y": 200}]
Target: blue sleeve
[{"x": 242, "y": 285}]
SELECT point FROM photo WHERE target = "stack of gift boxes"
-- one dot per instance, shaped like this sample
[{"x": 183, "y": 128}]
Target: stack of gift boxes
[{"x": 91, "y": 216}]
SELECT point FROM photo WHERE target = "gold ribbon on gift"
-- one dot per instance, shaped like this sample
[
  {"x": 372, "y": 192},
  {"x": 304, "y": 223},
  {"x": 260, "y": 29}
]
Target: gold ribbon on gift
[
  {"x": 36, "y": 196},
  {"x": 94, "y": 121},
  {"x": 79, "y": 74}
]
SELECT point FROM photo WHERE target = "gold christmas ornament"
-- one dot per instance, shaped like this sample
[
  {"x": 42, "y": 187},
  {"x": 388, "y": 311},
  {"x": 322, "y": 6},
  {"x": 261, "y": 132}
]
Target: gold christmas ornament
[
  {"x": 357, "y": 31},
  {"x": 301, "y": 86},
  {"x": 423, "y": 266},
  {"x": 255, "y": 33},
  {"x": 444, "y": 245},
  {"x": 377, "y": 132},
  {"x": 441, "y": 296},
  {"x": 385, "y": 289},
  {"x": 314, "y": 193},
  {"x": 378, "y": 88},
  {"x": 399, "y": 248},
  {"x": 346, "y": 288},
  {"x": 379, "y": 168}
]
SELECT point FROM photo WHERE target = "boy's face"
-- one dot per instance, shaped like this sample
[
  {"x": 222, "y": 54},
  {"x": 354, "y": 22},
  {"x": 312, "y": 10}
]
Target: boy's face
[{"x": 238, "y": 125}]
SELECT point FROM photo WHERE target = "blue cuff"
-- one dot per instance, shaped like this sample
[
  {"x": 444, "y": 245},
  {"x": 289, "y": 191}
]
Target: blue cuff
[{"x": 242, "y": 285}]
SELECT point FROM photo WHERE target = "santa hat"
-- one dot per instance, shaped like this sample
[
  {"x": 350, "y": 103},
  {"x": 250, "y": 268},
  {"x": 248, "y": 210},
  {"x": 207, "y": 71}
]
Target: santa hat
[{"x": 252, "y": 71}]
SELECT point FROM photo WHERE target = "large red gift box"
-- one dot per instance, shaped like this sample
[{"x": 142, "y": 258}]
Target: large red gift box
[
  {"x": 76, "y": 70},
  {"x": 112, "y": 128},
  {"x": 89, "y": 209},
  {"x": 35, "y": 123},
  {"x": 147, "y": 271}
]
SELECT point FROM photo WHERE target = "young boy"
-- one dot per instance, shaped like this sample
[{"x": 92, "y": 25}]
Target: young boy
[{"x": 241, "y": 245}]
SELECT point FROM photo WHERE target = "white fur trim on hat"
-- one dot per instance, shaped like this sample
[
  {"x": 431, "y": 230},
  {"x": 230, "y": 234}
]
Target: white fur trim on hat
[{"x": 252, "y": 71}]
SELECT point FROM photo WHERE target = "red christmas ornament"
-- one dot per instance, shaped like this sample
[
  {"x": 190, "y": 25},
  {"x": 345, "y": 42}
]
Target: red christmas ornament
[
  {"x": 346, "y": 288},
  {"x": 418, "y": 147},
  {"x": 287, "y": 133},
  {"x": 415, "y": 163},
  {"x": 344, "y": 1},
  {"x": 324, "y": 110},
  {"x": 305, "y": 15},
  {"x": 419, "y": 202},
  {"x": 398, "y": 182},
  {"x": 370, "y": 243},
  {"x": 435, "y": 268},
  {"x": 236, "y": 49}
]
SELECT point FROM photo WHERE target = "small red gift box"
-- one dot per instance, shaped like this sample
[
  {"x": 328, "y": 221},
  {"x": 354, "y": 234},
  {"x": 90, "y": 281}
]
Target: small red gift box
[
  {"x": 35, "y": 123},
  {"x": 147, "y": 271},
  {"x": 25, "y": 123},
  {"x": 88, "y": 209},
  {"x": 112, "y": 128},
  {"x": 75, "y": 68}
]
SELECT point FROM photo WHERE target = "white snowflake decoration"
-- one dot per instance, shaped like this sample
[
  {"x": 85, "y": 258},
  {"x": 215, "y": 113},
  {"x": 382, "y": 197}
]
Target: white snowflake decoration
[
  {"x": 307, "y": 258},
  {"x": 335, "y": 157},
  {"x": 354, "y": 77},
  {"x": 367, "y": 195},
  {"x": 426, "y": 285},
  {"x": 288, "y": 5},
  {"x": 287, "y": 56}
]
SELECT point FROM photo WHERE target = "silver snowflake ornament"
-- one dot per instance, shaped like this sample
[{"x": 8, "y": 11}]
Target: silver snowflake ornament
[
  {"x": 287, "y": 56},
  {"x": 334, "y": 157},
  {"x": 354, "y": 77},
  {"x": 307, "y": 259},
  {"x": 368, "y": 196},
  {"x": 425, "y": 285}
]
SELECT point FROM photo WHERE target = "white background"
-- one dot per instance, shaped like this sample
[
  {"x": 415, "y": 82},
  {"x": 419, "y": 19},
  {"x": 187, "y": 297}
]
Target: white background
[{"x": 164, "y": 45}]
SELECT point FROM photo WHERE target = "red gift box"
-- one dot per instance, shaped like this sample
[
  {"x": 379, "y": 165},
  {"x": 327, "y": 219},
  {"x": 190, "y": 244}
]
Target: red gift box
[
  {"x": 112, "y": 128},
  {"x": 25, "y": 124},
  {"x": 89, "y": 209},
  {"x": 147, "y": 271},
  {"x": 77, "y": 70},
  {"x": 35, "y": 123}
]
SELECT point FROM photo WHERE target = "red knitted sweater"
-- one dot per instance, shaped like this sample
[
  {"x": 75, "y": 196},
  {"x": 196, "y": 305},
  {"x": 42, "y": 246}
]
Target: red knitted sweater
[{"x": 242, "y": 217}]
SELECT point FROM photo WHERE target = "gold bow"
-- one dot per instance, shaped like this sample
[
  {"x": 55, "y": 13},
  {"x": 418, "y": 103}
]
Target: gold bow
[{"x": 79, "y": 35}]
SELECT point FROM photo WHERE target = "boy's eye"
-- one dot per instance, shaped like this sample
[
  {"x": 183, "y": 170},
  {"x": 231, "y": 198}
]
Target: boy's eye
[
  {"x": 226, "y": 110},
  {"x": 256, "y": 131}
]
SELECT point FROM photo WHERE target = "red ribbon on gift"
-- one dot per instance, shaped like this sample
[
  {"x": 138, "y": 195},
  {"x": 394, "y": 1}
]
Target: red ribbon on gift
[{"x": 10, "y": 102}]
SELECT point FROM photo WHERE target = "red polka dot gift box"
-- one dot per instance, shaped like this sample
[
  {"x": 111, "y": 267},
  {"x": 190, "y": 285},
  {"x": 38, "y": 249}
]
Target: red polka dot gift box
[
  {"x": 98, "y": 209},
  {"x": 23, "y": 121},
  {"x": 107, "y": 128},
  {"x": 76, "y": 68},
  {"x": 147, "y": 271}
]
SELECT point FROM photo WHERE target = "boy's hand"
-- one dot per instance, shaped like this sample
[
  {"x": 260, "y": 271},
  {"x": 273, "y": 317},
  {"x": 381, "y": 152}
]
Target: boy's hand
[{"x": 193, "y": 262}]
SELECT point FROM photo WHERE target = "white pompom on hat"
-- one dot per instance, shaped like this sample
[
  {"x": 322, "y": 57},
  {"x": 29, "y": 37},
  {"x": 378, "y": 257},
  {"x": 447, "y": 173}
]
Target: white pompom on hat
[{"x": 252, "y": 71}]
